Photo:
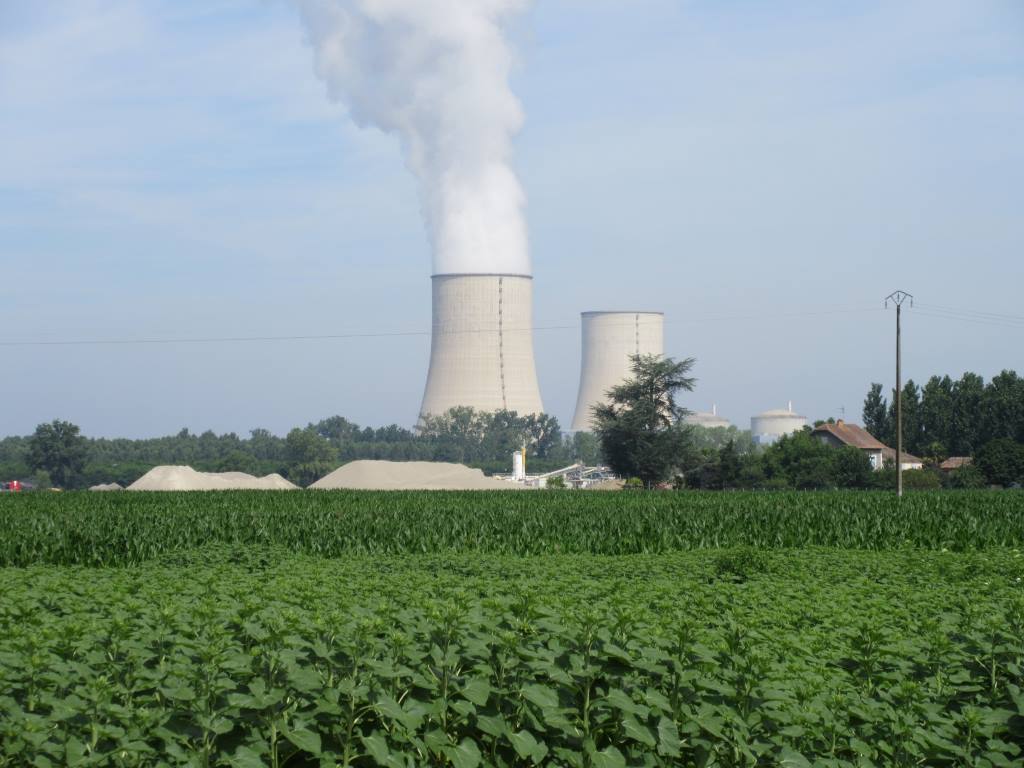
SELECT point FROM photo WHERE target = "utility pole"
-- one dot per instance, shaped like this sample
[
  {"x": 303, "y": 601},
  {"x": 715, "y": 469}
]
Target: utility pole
[{"x": 897, "y": 298}]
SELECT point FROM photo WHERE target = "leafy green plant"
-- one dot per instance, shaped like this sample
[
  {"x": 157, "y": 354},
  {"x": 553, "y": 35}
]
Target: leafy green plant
[{"x": 236, "y": 656}]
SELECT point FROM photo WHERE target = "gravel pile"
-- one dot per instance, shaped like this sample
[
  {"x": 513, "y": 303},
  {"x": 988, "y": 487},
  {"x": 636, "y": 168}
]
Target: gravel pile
[
  {"x": 170, "y": 478},
  {"x": 410, "y": 476},
  {"x": 106, "y": 487}
]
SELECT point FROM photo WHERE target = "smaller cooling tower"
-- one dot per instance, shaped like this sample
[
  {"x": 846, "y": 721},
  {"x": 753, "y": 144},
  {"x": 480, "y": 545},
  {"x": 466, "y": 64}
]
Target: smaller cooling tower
[
  {"x": 481, "y": 346},
  {"x": 609, "y": 338}
]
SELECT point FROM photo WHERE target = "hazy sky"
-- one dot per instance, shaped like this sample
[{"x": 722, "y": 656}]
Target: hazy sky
[{"x": 764, "y": 173}]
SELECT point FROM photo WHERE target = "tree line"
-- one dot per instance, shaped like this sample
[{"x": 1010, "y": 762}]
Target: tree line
[
  {"x": 639, "y": 432},
  {"x": 642, "y": 435},
  {"x": 58, "y": 454},
  {"x": 949, "y": 417}
]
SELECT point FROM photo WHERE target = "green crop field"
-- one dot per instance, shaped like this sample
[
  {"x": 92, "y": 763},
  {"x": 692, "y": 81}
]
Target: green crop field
[
  {"x": 124, "y": 528},
  {"x": 322, "y": 629}
]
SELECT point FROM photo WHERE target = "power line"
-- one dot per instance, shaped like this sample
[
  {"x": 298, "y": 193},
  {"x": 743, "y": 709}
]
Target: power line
[
  {"x": 395, "y": 334},
  {"x": 968, "y": 319},
  {"x": 977, "y": 313}
]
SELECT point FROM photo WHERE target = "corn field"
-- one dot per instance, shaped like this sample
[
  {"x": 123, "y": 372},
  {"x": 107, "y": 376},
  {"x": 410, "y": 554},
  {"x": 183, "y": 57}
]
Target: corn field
[{"x": 126, "y": 528}]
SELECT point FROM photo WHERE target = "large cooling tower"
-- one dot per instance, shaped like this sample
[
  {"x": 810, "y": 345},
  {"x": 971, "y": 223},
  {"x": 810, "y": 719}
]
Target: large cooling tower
[
  {"x": 481, "y": 347},
  {"x": 609, "y": 338}
]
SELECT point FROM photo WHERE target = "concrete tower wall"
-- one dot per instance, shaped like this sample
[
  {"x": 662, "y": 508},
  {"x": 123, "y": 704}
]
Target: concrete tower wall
[
  {"x": 769, "y": 426},
  {"x": 481, "y": 347},
  {"x": 609, "y": 338}
]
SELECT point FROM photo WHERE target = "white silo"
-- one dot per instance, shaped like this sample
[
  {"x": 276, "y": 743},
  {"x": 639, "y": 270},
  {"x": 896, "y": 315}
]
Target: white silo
[
  {"x": 769, "y": 426},
  {"x": 481, "y": 347},
  {"x": 609, "y": 339},
  {"x": 707, "y": 419}
]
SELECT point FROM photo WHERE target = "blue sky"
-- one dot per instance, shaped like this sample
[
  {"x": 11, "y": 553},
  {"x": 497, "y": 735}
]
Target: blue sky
[{"x": 764, "y": 173}]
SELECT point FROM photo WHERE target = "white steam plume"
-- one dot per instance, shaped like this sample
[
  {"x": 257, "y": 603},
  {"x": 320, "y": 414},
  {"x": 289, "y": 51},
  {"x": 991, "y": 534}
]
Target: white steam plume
[{"x": 436, "y": 72}]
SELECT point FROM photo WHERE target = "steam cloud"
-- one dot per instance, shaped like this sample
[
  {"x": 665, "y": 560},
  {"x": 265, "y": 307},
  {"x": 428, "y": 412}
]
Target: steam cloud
[{"x": 435, "y": 72}]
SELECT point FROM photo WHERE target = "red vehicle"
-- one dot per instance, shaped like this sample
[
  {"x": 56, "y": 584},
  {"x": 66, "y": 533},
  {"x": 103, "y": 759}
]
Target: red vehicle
[{"x": 14, "y": 485}]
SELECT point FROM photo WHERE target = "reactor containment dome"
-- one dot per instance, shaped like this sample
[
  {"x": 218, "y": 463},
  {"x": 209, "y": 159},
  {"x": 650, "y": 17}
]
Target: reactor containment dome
[
  {"x": 481, "y": 345},
  {"x": 769, "y": 426},
  {"x": 609, "y": 339},
  {"x": 707, "y": 419}
]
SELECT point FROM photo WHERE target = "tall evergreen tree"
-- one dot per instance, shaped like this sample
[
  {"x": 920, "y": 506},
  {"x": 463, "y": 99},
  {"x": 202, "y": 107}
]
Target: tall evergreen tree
[
  {"x": 911, "y": 405},
  {"x": 1002, "y": 408},
  {"x": 966, "y": 436},
  {"x": 876, "y": 414},
  {"x": 937, "y": 413},
  {"x": 640, "y": 426}
]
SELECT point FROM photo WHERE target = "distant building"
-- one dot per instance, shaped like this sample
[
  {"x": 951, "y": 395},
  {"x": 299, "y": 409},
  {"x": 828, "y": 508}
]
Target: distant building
[
  {"x": 769, "y": 426},
  {"x": 909, "y": 461},
  {"x": 955, "y": 462},
  {"x": 841, "y": 434},
  {"x": 707, "y": 419}
]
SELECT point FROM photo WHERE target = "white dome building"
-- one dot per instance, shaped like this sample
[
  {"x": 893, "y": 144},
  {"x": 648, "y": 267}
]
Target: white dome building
[
  {"x": 707, "y": 419},
  {"x": 769, "y": 426}
]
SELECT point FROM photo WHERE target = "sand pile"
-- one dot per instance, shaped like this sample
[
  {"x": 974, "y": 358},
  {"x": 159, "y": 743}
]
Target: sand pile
[
  {"x": 106, "y": 487},
  {"x": 410, "y": 476},
  {"x": 607, "y": 485},
  {"x": 187, "y": 479}
]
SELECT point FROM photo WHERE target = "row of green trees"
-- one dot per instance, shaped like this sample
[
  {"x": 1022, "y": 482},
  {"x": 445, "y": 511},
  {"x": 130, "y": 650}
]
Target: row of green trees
[
  {"x": 58, "y": 454},
  {"x": 642, "y": 436},
  {"x": 949, "y": 417},
  {"x": 802, "y": 461}
]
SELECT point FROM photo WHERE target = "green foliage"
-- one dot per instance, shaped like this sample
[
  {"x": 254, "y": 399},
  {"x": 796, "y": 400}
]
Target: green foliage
[
  {"x": 723, "y": 469},
  {"x": 125, "y": 528},
  {"x": 639, "y": 427},
  {"x": 1002, "y": 462},
  {"x": 59, "y": 450},
  {"x": 483, "y": 440},
  {"x": 852, "y": 468},
  {"x": 715, "y": 438},
  {"x": 466, "y": 435},
  {"x": 961, "y": 415},
  {"x": 239, "y": 656},
  {"x": 801, "y": 461},
  {"x": 928, "y": 479},
  {"x": 967, "y": 477},
  {"x": 557, "y": 482},
  {"x": 876, "y": 415}
]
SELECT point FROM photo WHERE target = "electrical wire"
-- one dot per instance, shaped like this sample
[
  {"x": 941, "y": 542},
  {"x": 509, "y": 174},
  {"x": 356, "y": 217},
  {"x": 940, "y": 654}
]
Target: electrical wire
[
  {"x": 972, "y": 312},
  {"x": 968, "y": 319},
  {"x": 397, "y": 334}
]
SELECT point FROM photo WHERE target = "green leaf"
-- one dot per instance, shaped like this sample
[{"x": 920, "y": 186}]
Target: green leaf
[
  {"x": 638, "y": 732},
  {"x": 178, "y": 693},
  {"x": 492, "y": 725},
  {"x": 621, "y": 701},
  {"x": 792, "y": 759},
  {"x": 477, "y": 690},
  {"x": 523, "y": 742},
  {"x": 74, "y": 751},
  {"x": 376, "y": 747},
  {"x": 304, "y": 679},
  {"x": 465, "y": 755},
  {"x": 540, "y": 695},
  {"x": 390, "y": 708},
  {"x": 245, "y": 757},
  {"x": 609, "y": 757},
  {"x": 668, "y": 738},
  {"x": 305, "y": 740}
]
